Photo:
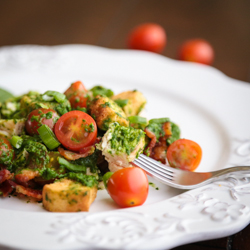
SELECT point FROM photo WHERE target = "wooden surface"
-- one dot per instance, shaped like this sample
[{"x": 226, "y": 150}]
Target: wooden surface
[{"x": 224, "y": 23}]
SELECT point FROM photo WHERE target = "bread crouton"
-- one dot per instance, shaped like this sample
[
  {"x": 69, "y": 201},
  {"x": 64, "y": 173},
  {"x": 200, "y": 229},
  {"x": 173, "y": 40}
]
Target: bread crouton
[
  {"x": 135, "y": 102},
  {"x": 68, "y": 196},
  {"x": 105, "y": 111}
]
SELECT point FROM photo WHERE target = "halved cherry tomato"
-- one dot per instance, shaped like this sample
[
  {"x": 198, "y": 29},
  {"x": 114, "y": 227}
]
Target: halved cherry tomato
[
  {"x": 197, "y": 50},
  {"x": 76, "y": 130},
  {"x": 128, "y": 187},
  {"x": 38, "y": 117},
  {"x": 77, "y": 95},
  {"x": 6, "y": 151},
  {"x": 184, "y": 154},
  {"x": 148, "y": 36}
]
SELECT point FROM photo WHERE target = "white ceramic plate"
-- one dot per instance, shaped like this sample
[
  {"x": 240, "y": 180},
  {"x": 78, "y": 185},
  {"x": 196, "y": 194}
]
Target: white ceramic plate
[{"x": 210, "y": 109}]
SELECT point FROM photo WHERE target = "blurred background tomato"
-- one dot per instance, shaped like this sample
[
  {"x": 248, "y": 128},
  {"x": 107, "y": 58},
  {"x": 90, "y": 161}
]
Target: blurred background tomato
[{"x": 223, "y": 24}]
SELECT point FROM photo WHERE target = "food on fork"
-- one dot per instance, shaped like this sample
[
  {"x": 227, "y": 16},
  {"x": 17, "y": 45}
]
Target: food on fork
[
  {"x": 57, "y": 148},
  {"x": 121, "y": 145}
]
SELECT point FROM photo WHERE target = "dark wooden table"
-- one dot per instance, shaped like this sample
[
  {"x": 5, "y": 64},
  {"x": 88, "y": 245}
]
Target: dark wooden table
[{"x": 224, "y": 23}]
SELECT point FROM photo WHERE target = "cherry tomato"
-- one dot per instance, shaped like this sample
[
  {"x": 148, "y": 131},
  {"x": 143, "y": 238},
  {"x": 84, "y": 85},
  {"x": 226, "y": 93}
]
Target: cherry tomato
[
  {"x": 148, "y": 36},
  {"x": 184, "y": 154},
  {"x": 38, "y": 117},
  {"x": 128, "y": 187},
  {"x": 6, "y": 151},
  {"x": 76, "y": 130},
  {"x": 197, "y": 50},
  {"x": 77, "y": 95}
]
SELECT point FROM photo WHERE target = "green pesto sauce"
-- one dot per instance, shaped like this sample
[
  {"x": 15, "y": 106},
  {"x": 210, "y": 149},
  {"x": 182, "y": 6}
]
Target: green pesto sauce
[
  {"x": 153, "y": 185},
  {"x": 155, "y": 126},
  {"x": 86, "y": 180},
  {"x": 106, "y": 123},
  {"x": 6, "y": 154},
  {"x": 125, "y": 139},
  {"x": 50, "y": 174}
]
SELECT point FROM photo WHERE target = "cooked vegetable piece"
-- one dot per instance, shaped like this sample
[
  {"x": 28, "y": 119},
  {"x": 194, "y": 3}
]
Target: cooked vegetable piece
[
  {"x": 68, "y": 196},
  {"x": 16, "y": 141},
  {"x": 48, "y": 137},
  {"x": 137, "y": 122},
  {"x": 54, "y": 95},
  {"x": 70, "y": 166},
  {"x": 76, "y": 130},
  {"x": 132, "y": 102},
  {"x": 105, "y": 111},
  {"x": 100, "y": 90},
  {"x": 122, "y": 102}
]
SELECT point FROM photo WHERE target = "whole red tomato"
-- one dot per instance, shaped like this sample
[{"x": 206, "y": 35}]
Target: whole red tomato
[
  {"x": 149, "y": 36},
  {"x": 128, "y": 187},
  {"x": 77, "y": 95},
  {"x": 197, "y": 50}
]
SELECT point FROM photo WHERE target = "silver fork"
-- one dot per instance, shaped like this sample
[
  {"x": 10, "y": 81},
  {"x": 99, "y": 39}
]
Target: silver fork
[{"x": 183, "y": 179}]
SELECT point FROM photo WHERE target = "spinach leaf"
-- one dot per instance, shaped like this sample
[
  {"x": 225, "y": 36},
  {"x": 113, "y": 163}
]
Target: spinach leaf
[{"x": 4, "y": 95}]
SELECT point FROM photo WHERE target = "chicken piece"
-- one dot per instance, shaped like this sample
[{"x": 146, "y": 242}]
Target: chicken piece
[
  {"x": 121, "y": 145},
  {"x": 105, "y": 111},
  {"x": 135, "y": 102},
  {"x": 68, "y": 196},
  {"x": 10, "y": 127}
]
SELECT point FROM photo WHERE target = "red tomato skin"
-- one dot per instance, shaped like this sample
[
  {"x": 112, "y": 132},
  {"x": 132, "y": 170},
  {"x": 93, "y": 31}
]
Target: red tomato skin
[
  {"x": 197, "y": 50},
  {"x": 73, "y": 124},
  {"x": 184, "y": 154},
  {"x": 76, "y": 94},
  {"x": 31, "y": 125},
  {"x": 128, "y": 187},
  {"x": 149, "y": 36}
]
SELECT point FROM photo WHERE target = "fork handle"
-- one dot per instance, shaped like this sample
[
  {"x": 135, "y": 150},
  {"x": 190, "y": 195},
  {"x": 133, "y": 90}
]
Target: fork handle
[{"x": 230, "y": 170}]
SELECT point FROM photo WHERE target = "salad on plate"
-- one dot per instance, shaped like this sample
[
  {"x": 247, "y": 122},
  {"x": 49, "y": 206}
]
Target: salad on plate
[{"x": 61, "y": 148}]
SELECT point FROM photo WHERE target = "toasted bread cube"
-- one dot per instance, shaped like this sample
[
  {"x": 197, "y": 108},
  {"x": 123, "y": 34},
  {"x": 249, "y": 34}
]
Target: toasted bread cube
[
  {"x": 105, "y": 112},
  {"x": 135, "y": 102},
  {"x": 68, "y": 196}
]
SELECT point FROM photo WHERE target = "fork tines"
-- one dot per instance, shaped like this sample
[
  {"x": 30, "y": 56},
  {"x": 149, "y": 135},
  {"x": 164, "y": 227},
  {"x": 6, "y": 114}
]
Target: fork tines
[{"x": 154, "y": 167}]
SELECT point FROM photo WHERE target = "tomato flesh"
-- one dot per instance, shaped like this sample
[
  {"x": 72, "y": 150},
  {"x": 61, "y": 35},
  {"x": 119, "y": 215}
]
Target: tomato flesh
[
  {"x": 77, "y": 95},
  {"x": 128, "y": 187},
  {"x": 151, "y": 37},
  {"x": 76, "y": 130},
  {"x": 38, "y": 117},
  {"x": 197, "y": 50},
  {"x": 184, "y": 154}
]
